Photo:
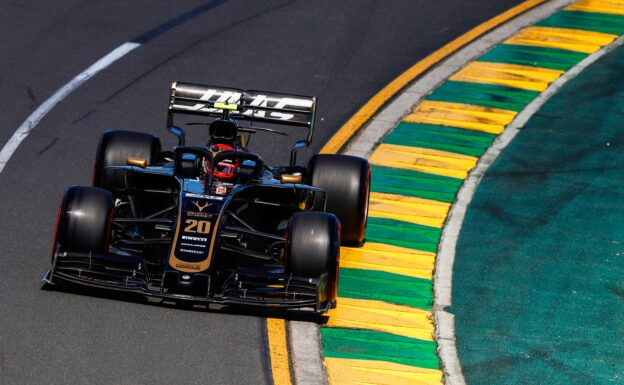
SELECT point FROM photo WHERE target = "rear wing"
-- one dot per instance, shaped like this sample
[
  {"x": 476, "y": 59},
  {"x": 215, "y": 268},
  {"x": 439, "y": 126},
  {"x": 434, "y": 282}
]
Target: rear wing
[{"x": 251, "y": 106}]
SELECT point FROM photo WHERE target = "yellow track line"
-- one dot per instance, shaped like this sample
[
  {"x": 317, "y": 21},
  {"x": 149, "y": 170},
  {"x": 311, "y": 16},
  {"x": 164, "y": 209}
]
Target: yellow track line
[
  {"x": 348, "y": 371},
  {"x": 408, "y": 209},
  {"x": 509, "y": 75},
  {"x": 614, "y": 7},
  {"x": 389, "y": 258},
  {"x": 382, "y": 316},
  {"x": 459, "y": 115},
  {"x": 278, "y": 346},
  {"x": 278, "y": 351},
  {"x": 376, "y": 102},
  {"x": 423, "y": 159},
  {"x": 562, "y": 38}
]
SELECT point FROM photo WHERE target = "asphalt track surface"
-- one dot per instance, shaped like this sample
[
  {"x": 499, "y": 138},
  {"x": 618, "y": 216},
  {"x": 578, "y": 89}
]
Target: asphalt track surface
[{"x": 342, "y": 52}]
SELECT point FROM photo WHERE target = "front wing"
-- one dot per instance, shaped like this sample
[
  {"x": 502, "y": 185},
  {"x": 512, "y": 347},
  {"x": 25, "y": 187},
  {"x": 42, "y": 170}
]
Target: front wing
[{"x": 129, "y": 274}]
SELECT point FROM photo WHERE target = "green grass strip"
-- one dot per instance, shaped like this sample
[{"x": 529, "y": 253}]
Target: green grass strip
[
  {"x": 465, "y": 142},
  {"x": 388, "y": 287},
  {"x": 414, "y": 183},
  {"x": 372, "y": 345},
  {"x": 552, "y": 58},
  {"x": 486, "y": 95},
  {"x": 588, "y": 21},
  {"x": 403, "y": 234}
]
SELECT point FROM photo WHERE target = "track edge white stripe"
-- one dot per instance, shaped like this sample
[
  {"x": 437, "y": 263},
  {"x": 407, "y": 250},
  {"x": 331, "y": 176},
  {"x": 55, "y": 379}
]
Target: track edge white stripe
[{"x": 31, "y": 122}]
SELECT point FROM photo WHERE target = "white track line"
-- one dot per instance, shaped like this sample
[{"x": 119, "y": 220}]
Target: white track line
[{"x": 31, "y": 122}]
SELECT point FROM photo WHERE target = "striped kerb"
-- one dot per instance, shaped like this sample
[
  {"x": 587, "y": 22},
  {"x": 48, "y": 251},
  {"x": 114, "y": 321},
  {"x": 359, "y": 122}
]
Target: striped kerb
[{"x": 381, "y": 332}]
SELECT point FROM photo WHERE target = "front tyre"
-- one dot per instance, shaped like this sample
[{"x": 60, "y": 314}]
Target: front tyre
[
  {"x": 84, "y": 220},
  {"x": 116, "y": 146},
  {"x": 346, "y": 179},
  {"x": 313, "y": 248}
]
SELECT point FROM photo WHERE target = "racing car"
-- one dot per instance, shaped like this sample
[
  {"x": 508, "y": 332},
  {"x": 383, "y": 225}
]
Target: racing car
[{"x": 213, "y": 223}]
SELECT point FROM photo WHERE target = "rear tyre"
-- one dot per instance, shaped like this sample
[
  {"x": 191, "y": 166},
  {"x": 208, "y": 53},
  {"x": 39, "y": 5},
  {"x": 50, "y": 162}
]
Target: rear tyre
[
  {"x": 347, "y": 182},
  {"x": 116, "y": 146},
  {"x": 313, "y": 248},
  {"x": 84, "y": 220}
]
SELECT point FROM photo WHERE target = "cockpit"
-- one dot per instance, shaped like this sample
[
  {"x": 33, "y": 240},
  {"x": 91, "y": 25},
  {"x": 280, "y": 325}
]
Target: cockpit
[
  {"x": 219, "y": 167},
  {"x": 223, "y": 174}
]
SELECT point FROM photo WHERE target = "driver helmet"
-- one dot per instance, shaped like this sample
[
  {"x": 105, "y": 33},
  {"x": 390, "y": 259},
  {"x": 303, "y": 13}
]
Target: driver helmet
[{"x": 226, "y": 168}]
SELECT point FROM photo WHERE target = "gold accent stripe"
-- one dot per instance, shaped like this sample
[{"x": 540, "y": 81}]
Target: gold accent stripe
[
  {"x": 388, "y": 258},
  {"x": 562, "y": 38},
  {"x": 278, "y": 351},
  {"x": 382, "y": 316},
  {"x": 508, "y": 75},
  {"x": 376, "y": 102},
  {"x": 423, "y": 160},
  {"x": 349, "y": 371},
  {"x": 467, "y": 116},
  {"x": 181, "y": 265},
  {"x": 137, "y": 162},
  {"x": 408, "y": 209},
  {"x": 614, "y": 7}
]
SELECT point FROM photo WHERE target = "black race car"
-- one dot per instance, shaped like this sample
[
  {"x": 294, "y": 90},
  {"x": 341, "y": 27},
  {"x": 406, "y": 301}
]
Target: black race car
[{"x": 213, "y": 223}]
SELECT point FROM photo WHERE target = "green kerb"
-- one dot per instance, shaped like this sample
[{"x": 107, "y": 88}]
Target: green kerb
[
  {"x": 388, "y": 287},
  {"x": 552, "y": 58},
  {"x": 403, "y": 234},
  {"x": 486, "y": 95},
  {"x": 465, "y": 142},
  {"x": 372, "y": 345},
  {"x": 414, "y": 183},
  {"x": 588, "y": 21}
]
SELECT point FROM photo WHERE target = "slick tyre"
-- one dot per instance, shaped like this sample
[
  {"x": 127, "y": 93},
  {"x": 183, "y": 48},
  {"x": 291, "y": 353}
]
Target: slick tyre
[
  {"x": 313, "y": 248},
  {"x": 346, "y": 179},
  {"x": 84, "y": 220},
  {"x": 116, "y": 146}
]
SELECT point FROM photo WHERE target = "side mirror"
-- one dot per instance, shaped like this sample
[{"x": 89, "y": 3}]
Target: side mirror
[
  {"x": 293, "y": 152},
  {"x": 291, "y": 178},
  {"x": 136, "y": 162},
  {"x": 179, "y": 133},
  {"x": 188, "y": 166}
]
